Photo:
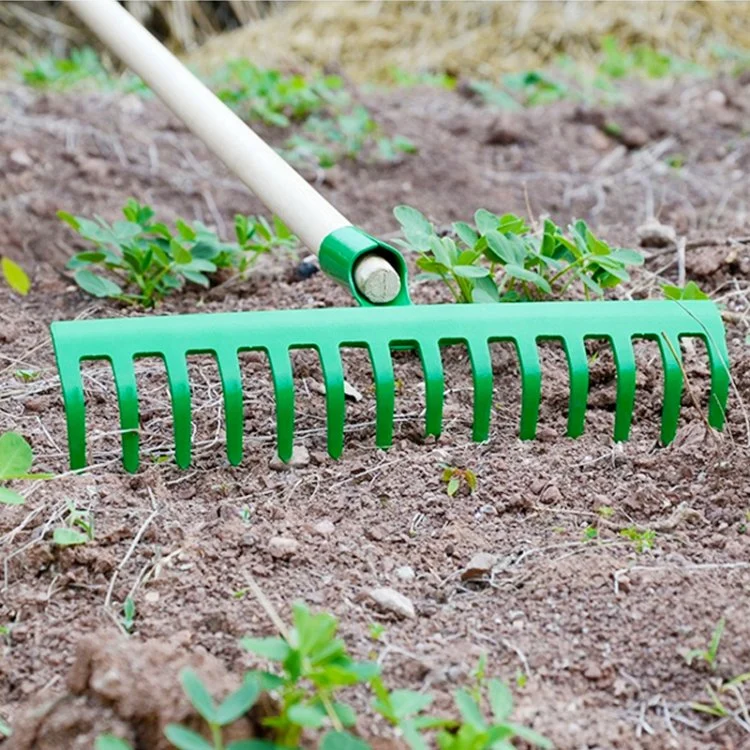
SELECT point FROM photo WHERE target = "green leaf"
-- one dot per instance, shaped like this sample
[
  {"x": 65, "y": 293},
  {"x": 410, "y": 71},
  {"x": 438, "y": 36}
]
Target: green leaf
[
  {"x": 530, "y": 736},
  {"x": 110, "y": 742},
  {"x": 441, "y": 251},
  {"x": 185, "y": 739},
  {"x": 69, "y": 219},
  {"x": 198, "y": 695},
  {"x": 416, "y": 228},
  {"x": 186, "y": 231},
  {"x": 16, "y": 455},
  {"x": 16, "y": 277},
  {"x": 627, "y": 257},
  {"x": 196, "y": 277},
  {"x": 471, "y": 272},
  {"x": 469, "y": 709},
  {"x": 485, "y": 290},
  {"x": 68, "y": 537},
  {"x": 518, "y": 272},
  {"x": 275, "y": 649},
  {"x": 342, "y": 741},
  {"x": 98, "y": 286},
  {"x": 346, "y": 714},
  {"x": 691, "y": 291},
  {"x": 310, "y": 717},
  {"x": 90, "y": 257},
  {"x": 453, "y": 485},
  {"x": 180, "y": 253},
  {"x": 254, "y": 745},
  {"x": 486, "y": 221},
  {"x": 238, "y": 703},
  {"x": 501, "y": 700},
  {"x": 266, "y": 680},
  {"x": 409, "y": 702},
  {"x": 466, "y": 233},
  {"x": 512, "y": 224},
  {"x": 499, "y": 247},
  {"x": 9, "y": 497}
]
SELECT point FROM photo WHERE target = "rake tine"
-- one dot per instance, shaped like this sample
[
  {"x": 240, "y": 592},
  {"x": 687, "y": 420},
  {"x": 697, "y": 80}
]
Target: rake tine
[
  {"x": 385, "y": 393},
  {"x": 432, "y": 364},
  {"x": 283, "y": 386},
  {"x": 531, "y": 385},
  {"x": 75, "y": 409},
  {"x": 333, "y": 374},
  {"x": 123, "y": 369},
  {"x": 481, "y": 369},
  {"x": 718, "y": 357},
  {"x": 179, "y": 390},
  {"x": 575, "y": 351},
  {"x": 671, "y": 358},
  {"x": 234, "y": 417},
  {"x": 622, "y": 348}
]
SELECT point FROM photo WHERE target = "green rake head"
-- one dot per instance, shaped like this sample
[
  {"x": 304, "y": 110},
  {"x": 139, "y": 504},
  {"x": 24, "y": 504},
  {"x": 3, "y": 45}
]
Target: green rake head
[{"x": 424, "y": 328}]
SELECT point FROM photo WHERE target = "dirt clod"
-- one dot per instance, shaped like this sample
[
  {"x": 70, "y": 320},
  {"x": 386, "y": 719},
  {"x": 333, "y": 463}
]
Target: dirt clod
[
  {"x": 479, "y": 565},
  {"x": 282, "y": 547},
  {"x": 390, "y": 600},
  {"x": 300, "y": 458}
]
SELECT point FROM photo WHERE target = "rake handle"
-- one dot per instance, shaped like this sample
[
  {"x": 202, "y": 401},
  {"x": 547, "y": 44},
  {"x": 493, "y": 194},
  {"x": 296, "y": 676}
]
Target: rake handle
[{"x": 281, "y": 188}]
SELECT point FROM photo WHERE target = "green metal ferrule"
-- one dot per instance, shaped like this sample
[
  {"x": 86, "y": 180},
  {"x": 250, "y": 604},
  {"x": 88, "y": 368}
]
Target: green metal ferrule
[{"x": 342, "y": 248}]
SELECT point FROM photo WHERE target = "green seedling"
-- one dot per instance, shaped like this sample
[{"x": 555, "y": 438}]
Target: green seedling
[
  {"x": 641, "y": 539},
  {"x": 590, "y": 533},
  {"x": 606, "y": 511},
  {"x": 454, "y": 478},
  {"x": 15, "y": 277},
  {"x": 232, "y": 708},
  {"x": 110, "y": 742},
  {"x": 717, "y": 708},
  {"x": 641, "y": 59},
  {"x": 502, "y": 260},
  {"x": 709, "y": 654},
  {"x": 82, "y": 68},
  {"x": 400, "y": 77},
  {"x": 27, "y": 376},
  {"x": 78, "y": 529},
  {"x": 276, "y": 99},
  {"x": 16, "y": 458},
  {"x": 128, "y": 615},
  {"x": 246, "y": 515},
  {"x": 5, "y": 730},
  {"x": 312, "y": 668},
  {"x": 519, "y": 90},
  {"x": 143, "y": 260},
  {"x": 376, "y": 631},
  {"x": 690, "y": 291}
]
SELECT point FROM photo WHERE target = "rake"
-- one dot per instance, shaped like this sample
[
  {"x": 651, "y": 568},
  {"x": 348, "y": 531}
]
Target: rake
[{"x": 386, "y": 320}]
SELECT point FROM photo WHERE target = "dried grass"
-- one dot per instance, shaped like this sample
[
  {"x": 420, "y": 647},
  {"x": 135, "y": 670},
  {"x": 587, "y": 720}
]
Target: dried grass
[{"x": 472, "y": 38}]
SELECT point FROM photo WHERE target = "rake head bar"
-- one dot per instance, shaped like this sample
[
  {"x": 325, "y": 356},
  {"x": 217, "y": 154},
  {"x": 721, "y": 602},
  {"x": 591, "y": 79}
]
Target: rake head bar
[{"x": 423, "y": 327}]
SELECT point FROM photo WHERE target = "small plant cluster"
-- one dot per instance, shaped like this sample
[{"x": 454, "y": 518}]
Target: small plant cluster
[
  {"x": 501, "y": 259},
  {"x": 143, "y": 260},
  {"x": 334, "y": 127},
  {"x": 619, "y": 61},
  {"x": 311, "y": 670},
  {"x": 454, "y": 478},
  {"x": 82, "y": 67},
  {"x": 518, "y": 90},
  {"x": 16, "y": 458},
  {"x": 15, "y": 277}
]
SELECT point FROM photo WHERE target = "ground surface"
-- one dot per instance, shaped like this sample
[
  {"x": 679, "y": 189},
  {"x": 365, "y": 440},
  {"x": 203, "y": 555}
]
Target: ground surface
[{"x": 596, "y": 628}]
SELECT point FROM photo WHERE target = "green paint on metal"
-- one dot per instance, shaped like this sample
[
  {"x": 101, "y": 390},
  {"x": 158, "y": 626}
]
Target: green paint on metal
[{"x": 425, "y": 328}]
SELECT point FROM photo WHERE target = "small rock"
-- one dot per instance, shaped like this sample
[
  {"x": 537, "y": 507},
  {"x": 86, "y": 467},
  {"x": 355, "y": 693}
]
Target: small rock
[
  {"x": 324, "y": 527},
  {"x": 132, "y": 104},
  {"x": 592, "y": 671},
  {"x": 375, "y": 534},
  {"x": 307, "y": 268},
  {"x": 151, "y": 597},
  {"x": 634, "y": 138},
  {"x": 546, "y": 434},
  {"x": 551, "y": 495},
  {"x": 35, "y": 405},
  {"x": 351, "y": 392},
  {"x": 20, "y": 158},
  {"x": 282, "y": 547},
  {"x": 503, "y": 132},
  {"x": 716, "y": 98},
  {"x": 405, "y": 573},
  {"x": 479, "y": 565},
  {"x": 655, "y": 234},
  {"x": 624, "y": 584},
  {"x": 300, "y": 458},
  {"x": 391, "y": 600}
]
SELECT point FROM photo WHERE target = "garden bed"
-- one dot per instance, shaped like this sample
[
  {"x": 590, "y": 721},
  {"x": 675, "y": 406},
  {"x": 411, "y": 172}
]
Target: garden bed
[{"x": 587, "y": 624}]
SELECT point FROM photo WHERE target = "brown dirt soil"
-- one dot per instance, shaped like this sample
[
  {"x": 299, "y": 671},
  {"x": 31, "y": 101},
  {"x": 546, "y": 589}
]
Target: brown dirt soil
[{"x": 596, "y": 628}]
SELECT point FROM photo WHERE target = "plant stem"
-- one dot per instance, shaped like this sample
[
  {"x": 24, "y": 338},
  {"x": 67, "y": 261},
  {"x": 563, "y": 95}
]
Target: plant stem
[
  {"x": 216, "y": 733},
  {"x": 326, "y": 701}
]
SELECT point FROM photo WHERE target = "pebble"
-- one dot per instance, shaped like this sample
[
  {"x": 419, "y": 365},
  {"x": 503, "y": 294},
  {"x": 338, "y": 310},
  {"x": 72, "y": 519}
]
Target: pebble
[
  {"x": 551, "y": 495},
  {"x": 480, "y": 564},
  {"x": 282, "y": 547},
  {"x": 20, "y": 158},
  {"x": 716, "y": 98},
  {"x": 634, "y": 138},
  {"x": 391, "y": 600},
  {"x": 151, "y": 597},
  {"x": 405, "y": 573},
  {"x": 324, "y": 527},
  {"x": 300, "y": 458},
  {"x": 655, "y": 234}
]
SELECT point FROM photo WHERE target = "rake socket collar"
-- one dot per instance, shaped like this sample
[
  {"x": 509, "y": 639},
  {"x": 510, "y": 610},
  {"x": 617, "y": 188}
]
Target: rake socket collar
[{"x": 344, "y": 248}]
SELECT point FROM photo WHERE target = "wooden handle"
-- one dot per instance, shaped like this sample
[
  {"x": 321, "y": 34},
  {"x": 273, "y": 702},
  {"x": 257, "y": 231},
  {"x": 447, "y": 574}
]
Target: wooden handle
[{"x": 283, "y": 190}]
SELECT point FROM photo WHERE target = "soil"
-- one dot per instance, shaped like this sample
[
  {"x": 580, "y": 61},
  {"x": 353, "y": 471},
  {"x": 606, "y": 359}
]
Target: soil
[{"x": 591, "y": 632}]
